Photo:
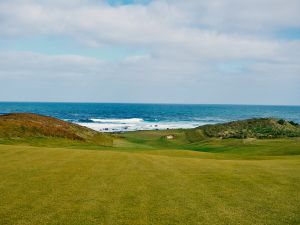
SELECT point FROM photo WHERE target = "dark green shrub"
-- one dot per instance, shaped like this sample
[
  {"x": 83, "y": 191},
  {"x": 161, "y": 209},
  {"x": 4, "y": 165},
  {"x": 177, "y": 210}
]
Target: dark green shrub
[{"x": 293, "y": 123}]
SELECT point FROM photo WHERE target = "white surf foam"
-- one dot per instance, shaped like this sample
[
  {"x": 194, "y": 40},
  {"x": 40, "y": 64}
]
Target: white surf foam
[
  {"x": 118, "y": 121},
  {"x": 119, "y": 125}
]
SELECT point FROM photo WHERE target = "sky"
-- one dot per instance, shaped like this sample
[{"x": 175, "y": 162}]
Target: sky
[{"x": 151, "y": 51}]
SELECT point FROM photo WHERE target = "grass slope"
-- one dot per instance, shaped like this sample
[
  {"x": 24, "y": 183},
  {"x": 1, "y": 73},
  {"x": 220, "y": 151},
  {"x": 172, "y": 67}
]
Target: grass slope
[
  {"x": 145, "y": 177},
  {"x": 253, "y": 128},
  {"x": 25, "y": 127},
  {"x": 189, "y": 140}
]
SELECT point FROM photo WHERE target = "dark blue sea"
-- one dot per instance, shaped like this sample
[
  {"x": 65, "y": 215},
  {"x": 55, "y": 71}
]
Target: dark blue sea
[{"x": 112, "y": 117}]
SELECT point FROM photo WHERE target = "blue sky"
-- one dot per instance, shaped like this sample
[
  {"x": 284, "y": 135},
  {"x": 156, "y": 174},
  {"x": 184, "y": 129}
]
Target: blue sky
[
  {"x": 235, "y": 52},
  {"x": 128, "y": 2},
  {"x": 288, "y": 34}
]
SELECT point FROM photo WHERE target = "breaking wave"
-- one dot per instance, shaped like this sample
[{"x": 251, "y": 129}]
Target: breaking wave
[
  {"x": 118, "y": 121},
  {"x": 133, "y": 124}
]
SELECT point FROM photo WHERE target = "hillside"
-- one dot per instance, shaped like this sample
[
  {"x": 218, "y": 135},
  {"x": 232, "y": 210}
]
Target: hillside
[
  {"x": 38, "y": 130},
  {"x": 148, "y": 177},
  {"x": 252, "y": 128},
  {"x": 28, "y": 125},
  {"x": 269, "y": 136}
]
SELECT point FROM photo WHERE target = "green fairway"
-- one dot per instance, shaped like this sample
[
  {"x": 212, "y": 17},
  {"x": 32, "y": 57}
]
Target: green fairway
[
  {"x": 42, "y": 185},
  {"x": 57, "y": 173}
]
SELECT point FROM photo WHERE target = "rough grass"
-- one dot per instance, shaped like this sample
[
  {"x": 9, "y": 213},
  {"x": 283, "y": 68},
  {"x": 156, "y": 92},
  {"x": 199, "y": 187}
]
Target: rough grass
[
  {"x": 252, "y": 128},
  {"x": 23, "y": 126}
]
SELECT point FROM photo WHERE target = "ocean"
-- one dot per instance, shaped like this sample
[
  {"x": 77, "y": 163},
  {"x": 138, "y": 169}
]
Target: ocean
[{"x": 116, "y": 117}]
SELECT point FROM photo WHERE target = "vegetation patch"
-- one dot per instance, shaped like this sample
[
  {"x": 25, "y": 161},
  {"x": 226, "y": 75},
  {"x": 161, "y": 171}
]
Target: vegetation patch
[
  {"x": 148, "y": 177},
  {"x": 253, "y": 128},
  {"x": 21, "y": 126}
]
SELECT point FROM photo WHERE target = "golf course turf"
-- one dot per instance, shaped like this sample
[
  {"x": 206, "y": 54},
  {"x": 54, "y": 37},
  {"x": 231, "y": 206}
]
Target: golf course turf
[{"x": 146, "y": 179}]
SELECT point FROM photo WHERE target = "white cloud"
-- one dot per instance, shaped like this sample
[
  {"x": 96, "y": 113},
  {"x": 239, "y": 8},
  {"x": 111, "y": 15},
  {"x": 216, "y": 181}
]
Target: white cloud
[
  {"x": 28, "y": 63},
  {"x": 154, "y": 26},
  {"x": 185, "y": 42}
]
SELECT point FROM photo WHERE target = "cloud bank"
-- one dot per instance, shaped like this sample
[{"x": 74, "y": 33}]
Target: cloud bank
[{"x": 150, "y": 51}]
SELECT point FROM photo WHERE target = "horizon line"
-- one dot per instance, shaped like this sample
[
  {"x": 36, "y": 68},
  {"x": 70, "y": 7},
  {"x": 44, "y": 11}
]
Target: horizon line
[{"x": 150, "y": 103}]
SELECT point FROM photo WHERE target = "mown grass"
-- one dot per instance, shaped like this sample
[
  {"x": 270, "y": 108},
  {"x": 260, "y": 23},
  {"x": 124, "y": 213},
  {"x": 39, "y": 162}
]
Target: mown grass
[
  {"x": 65, "y": 186},
  {"x": 54, "y": 142},
  {"x": 241, "y": 147},
  {"x": 144, "y": 178}
]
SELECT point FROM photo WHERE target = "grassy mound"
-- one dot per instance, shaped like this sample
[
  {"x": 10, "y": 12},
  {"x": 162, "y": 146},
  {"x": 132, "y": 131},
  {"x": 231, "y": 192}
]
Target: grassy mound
[
  {"x": 28, "y": 125},
  {"x": 148, "y": 177},
  {"x": 208, "y": 137},
  {"x": 252, "y": 128}
]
